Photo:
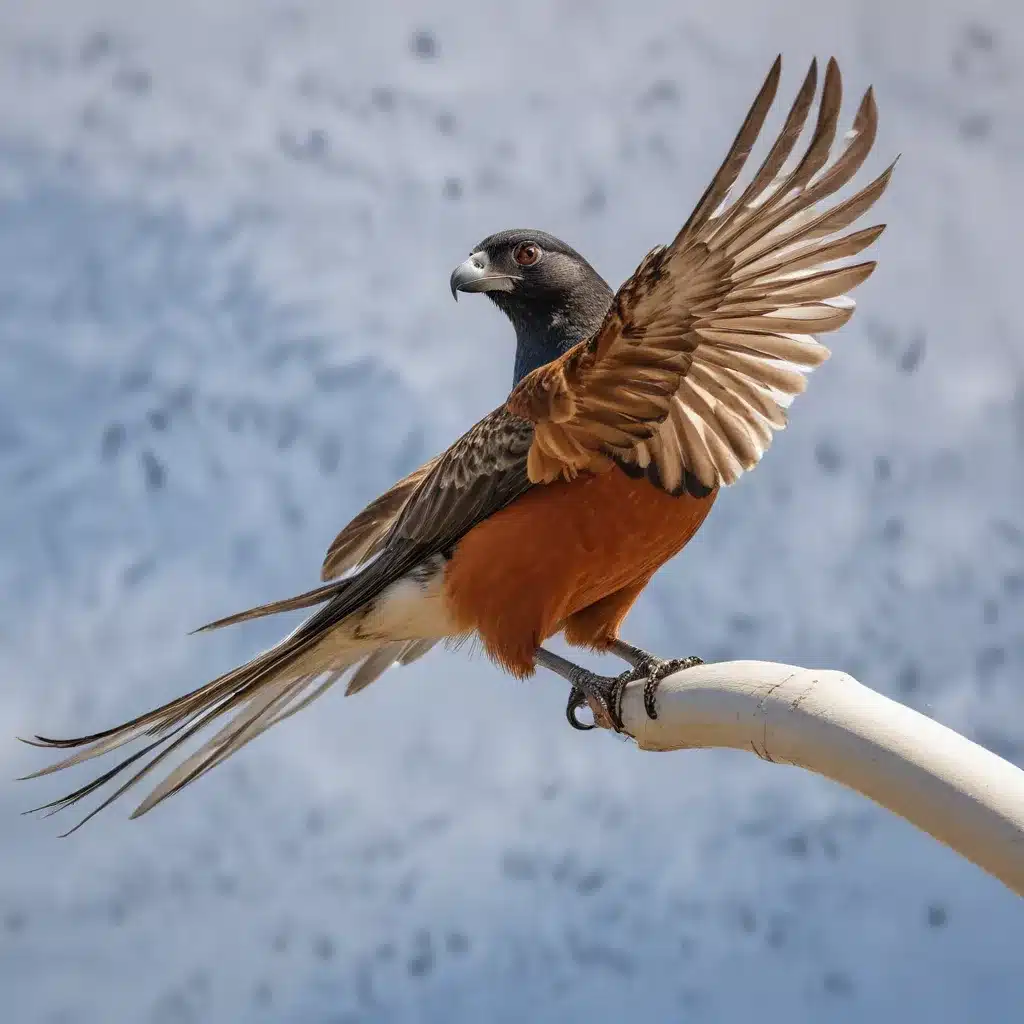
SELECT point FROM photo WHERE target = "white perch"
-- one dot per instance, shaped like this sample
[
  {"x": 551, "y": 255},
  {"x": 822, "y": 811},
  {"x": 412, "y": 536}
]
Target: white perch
[{"x": 826, "y": 721}]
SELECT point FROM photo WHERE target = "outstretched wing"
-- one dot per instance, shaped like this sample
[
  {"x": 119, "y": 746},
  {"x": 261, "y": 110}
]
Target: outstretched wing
[{"x": 705, "y": 345}]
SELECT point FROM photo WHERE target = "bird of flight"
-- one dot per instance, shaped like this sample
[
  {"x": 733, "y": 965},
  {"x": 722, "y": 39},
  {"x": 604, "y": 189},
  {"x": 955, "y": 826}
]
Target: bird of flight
[{"x": 629, "y": 410}]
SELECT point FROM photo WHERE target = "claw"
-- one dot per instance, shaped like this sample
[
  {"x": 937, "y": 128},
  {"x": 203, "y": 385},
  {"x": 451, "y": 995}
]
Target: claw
[
  {"x": 614, "y": 700},
  {"x": 577, "y": 699},
  {"x": 603, "y": 694},
  {"x": 658, "y": 671}
]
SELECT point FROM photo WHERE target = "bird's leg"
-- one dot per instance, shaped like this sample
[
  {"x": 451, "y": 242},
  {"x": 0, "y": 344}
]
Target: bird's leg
[
  {"x": 649, "y": 667},
  {"x": 602, "y": 693}
]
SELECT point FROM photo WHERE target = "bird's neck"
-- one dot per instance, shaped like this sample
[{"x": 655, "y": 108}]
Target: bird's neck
[
  {"x": 546, "y": 334},
  {"x": 534, "y": 350}
]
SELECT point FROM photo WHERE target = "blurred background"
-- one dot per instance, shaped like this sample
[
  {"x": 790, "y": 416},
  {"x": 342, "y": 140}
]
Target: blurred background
[{"x": 226, "y": 231}]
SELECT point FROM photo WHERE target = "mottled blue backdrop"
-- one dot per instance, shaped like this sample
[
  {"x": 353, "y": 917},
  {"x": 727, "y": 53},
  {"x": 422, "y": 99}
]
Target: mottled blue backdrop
[{"x": 226, "y": 231}]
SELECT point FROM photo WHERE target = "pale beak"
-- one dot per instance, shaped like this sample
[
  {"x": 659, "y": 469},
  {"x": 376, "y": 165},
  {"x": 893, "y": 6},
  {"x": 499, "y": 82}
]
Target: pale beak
[{"x": 475, "y": 276}]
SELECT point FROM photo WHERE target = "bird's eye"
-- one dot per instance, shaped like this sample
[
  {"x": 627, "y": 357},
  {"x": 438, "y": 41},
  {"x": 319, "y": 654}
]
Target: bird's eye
[{"x": 526, "y": 254}]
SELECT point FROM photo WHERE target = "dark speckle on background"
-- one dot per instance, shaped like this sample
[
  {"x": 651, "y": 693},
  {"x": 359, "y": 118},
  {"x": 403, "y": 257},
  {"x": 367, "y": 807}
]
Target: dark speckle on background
[
  {"x": 828, "y": 456},
  {"x": 424, "y": 45},
  {"x": 153, "y": 471}
]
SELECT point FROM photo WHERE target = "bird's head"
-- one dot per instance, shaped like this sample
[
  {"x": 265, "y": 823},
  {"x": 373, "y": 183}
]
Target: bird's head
[{"x": 552, "y": 295}]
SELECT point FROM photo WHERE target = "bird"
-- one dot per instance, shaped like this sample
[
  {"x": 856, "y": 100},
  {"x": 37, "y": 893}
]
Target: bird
[{"x": 629, "y": 410}]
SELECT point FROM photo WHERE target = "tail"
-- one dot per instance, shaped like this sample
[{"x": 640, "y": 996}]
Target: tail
[
  {"x": 312, "y": 597},
  {"x": 259, "y": 694}
]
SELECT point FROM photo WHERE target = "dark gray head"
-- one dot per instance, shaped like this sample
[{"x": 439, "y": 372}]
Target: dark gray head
[{"x": 552, "y": 295}]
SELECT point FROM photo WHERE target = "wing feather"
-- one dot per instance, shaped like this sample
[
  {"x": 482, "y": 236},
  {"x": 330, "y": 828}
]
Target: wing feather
[
  {"x": 707, "y": 342},
  {"x": 363, "y": 537}
]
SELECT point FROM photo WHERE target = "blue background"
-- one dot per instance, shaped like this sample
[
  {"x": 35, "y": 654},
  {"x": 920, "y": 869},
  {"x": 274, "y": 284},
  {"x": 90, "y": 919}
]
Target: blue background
[{"x": 225, "y": 238}]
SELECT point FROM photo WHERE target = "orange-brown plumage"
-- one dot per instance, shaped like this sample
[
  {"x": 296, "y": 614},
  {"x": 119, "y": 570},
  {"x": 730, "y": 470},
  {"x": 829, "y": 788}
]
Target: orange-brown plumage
[{"x": 572, "y": 555}]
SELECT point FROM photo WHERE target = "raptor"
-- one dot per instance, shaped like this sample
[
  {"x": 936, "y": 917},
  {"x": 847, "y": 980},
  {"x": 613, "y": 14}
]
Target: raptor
[{"x": 629, "y": 411}]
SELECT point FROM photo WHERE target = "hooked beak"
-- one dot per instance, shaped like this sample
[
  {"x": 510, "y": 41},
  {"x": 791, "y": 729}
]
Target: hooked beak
[{"x": 475, "y": 276}]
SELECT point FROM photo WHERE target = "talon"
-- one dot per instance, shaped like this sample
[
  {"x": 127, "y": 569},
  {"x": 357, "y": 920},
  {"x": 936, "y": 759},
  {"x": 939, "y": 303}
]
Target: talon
[
  {"x": 577, "y": 699},
  {"x": 602, "y": 694},
  {"x": 615, "y": 703},
  {"x": 659, "y": 672},
  {"x": 650, "y": 690},
  {"x": 604, "y": 701}
]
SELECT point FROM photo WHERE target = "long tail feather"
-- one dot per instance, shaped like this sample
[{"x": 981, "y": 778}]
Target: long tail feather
[
  {"x": 289, "y": 604},
  {"x": 271, "y": 687},
  {"x": 373, "y": 620}
]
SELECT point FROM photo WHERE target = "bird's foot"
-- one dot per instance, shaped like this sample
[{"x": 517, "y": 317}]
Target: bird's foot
[{"x": 603, "y": 694}]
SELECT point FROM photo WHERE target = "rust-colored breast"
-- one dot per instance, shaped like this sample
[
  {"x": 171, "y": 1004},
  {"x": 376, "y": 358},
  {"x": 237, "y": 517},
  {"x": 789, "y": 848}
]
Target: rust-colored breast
[{"x": 561, "y": 548}]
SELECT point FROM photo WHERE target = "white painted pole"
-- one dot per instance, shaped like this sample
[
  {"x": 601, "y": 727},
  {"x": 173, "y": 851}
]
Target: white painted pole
[{"x": 826, "y": 721}]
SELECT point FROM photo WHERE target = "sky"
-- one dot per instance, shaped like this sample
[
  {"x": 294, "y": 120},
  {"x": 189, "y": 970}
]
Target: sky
[{"x": 226, "y": 232}]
